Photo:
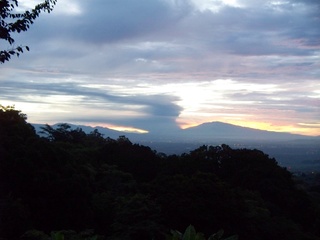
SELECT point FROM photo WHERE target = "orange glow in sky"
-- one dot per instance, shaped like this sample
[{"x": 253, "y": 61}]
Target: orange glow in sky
[{"x": 118, "y": 128}]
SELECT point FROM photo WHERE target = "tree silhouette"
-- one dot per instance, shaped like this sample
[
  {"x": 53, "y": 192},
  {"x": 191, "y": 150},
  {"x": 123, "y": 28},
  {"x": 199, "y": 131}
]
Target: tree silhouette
[
  {"x": 12, "y": 21},
  {"x": 68, "y": 179}
]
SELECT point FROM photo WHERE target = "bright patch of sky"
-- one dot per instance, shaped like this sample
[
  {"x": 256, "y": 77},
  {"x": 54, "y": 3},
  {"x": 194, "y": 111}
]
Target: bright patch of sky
[
  {"x": 70, "y": 7},
  {"x": 215, "y": 5}
]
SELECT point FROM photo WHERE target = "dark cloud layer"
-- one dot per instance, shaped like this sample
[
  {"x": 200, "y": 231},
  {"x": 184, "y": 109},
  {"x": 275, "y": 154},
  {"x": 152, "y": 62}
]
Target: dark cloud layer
[
  {"x": 157, "y": 109},
  {"x": 103, "y": 22}
]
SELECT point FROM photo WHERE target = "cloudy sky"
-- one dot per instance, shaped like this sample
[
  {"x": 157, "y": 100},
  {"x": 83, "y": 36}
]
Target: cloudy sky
[{"x": 161, "y": 64}]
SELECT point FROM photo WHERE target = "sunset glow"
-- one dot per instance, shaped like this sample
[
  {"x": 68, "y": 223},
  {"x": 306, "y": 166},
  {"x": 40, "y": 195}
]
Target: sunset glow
[{"x": 118, "y": 128}]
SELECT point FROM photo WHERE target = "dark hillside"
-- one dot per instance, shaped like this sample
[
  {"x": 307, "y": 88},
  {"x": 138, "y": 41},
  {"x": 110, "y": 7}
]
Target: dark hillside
[
  {"x": 74, "y": 181},
  {"x": 221, "y": 130}
]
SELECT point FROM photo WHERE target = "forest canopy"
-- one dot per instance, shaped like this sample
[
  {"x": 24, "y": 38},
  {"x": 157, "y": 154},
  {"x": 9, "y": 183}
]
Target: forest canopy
[{"x": 85, "y": 184}]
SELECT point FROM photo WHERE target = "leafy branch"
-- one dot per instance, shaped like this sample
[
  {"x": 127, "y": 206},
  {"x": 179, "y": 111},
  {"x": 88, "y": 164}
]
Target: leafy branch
[{"x": 11, "y": 22}]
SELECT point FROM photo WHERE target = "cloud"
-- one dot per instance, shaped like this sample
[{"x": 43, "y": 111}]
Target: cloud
[
  {"x": 172, "y": 36},
  {"x": 147, "y": 111},
  {"x": 130, "y": 62},
  {"x": 101, "y": 22}
]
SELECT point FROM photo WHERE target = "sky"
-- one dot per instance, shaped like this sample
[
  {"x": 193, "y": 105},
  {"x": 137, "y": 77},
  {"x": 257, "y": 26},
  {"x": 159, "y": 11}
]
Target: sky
[{"x": 158, "y": 65}]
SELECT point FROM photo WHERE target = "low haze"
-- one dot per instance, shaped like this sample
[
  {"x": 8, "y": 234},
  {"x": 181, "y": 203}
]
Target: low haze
[{"x": 166, "y": 64}]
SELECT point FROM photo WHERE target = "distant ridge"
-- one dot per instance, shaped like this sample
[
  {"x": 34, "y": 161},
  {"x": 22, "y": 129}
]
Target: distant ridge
[
  {"x": 225, "y": 131},
  {"x": 107, "y": 132},
  {"x": 209, "y": 131},
  {"x": 290, "y": 150}
]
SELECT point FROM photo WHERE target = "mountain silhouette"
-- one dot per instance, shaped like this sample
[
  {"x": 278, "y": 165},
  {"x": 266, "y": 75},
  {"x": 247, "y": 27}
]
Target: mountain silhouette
[
  {"x": 220, "y": 130},
  {"x": 203, "y": 132}
]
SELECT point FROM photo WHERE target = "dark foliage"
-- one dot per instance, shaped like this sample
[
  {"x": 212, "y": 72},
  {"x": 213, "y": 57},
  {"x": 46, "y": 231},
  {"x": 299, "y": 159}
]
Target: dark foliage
[{"x": 73, "y": 180}]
